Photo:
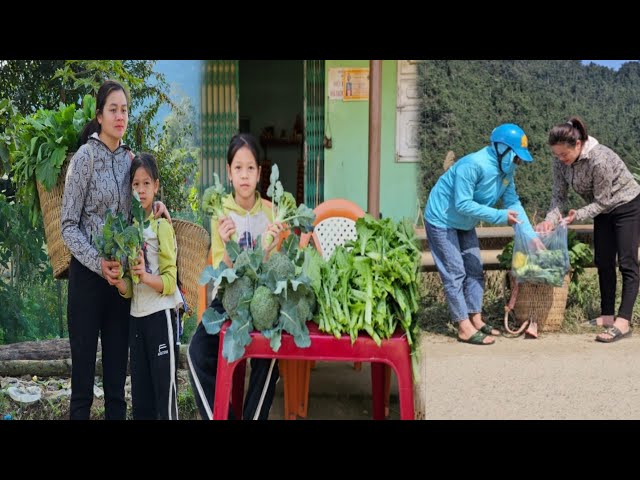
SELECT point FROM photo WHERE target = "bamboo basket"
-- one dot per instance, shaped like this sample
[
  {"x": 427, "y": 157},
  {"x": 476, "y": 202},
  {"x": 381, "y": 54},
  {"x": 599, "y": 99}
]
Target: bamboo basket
[
  {"x": 51, "y": 206},
  {"x": 193, "y": 249},
  {"x": 545, "y": 304}
]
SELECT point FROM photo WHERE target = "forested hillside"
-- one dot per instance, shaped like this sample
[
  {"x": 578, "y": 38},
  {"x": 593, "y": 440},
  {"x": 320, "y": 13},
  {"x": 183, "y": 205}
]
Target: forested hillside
[{"x": 463, "y": 100}]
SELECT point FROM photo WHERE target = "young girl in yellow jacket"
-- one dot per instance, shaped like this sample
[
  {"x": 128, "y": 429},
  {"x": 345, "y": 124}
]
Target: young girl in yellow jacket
[
  {"x": 249, "y": 218},
  {"x": 155, "y": 324}
]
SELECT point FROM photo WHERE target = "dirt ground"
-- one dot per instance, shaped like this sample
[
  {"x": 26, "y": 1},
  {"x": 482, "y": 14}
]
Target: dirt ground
[{"x": 558, "y": 376}]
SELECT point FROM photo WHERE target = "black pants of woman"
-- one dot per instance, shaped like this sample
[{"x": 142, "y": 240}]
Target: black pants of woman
[
  {"x": 96, "y": 308},
  {"x": 618, "y": 234}
]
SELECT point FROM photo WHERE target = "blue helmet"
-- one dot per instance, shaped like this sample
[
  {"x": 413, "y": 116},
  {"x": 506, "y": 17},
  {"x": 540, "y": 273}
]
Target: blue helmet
[{"x": 514, "y": 137}]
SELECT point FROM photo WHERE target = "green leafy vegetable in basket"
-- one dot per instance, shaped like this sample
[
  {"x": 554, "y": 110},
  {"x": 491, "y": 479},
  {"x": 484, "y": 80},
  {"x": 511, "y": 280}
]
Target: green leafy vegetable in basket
[
  {"x": 580, "y": 257},
  {"x": 37, "y": 145}
]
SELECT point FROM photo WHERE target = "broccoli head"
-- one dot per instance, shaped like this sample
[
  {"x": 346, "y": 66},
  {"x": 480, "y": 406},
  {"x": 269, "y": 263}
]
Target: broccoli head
[
  {"x": 234, "y": 292},
  {"x": 264, "y": 308},
  {"x": 281, "y": 265},
  {"x": 213, "y": 197},
  {"x": 305, "y": 302}
]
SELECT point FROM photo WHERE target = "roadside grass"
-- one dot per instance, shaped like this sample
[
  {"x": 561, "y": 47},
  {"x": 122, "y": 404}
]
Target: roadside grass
[{"x": 433, "y": 316}]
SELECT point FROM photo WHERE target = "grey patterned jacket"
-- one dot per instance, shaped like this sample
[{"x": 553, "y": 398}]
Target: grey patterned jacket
[
  {"x": 599, "y": 176},
  {"x": 88, "y": 196}
]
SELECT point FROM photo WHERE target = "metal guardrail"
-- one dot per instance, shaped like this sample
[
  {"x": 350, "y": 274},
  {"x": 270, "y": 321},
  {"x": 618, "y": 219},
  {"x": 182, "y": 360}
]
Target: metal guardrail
[{"x": 489, "y": 256}]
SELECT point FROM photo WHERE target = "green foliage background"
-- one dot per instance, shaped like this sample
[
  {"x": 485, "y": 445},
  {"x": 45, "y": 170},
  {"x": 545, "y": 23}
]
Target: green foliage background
[
  {"x": 464, "y": 100},
  {"x": 34, "y": 304}
]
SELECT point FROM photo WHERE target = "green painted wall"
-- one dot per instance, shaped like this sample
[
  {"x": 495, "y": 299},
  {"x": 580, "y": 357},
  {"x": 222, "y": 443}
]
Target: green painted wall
[{"x": 346, "y": 163}]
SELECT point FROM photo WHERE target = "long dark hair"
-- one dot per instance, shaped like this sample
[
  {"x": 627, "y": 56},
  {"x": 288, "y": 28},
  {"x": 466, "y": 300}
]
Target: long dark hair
[
  {"x": 101, "y": 98},
  {"x": 242, "y": 140},
  {"x": 569, "y": 132}
]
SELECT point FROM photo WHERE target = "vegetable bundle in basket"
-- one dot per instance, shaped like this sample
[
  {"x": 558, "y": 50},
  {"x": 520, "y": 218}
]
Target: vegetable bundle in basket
[{"x": 533, "y": 264}]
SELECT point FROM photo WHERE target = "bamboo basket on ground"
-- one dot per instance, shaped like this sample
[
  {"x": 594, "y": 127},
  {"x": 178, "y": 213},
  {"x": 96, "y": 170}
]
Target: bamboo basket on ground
[
  {"x": 51, "y": 206},
  {"x": 193, "y": 249},
  {"x": 545, "y": 304}
]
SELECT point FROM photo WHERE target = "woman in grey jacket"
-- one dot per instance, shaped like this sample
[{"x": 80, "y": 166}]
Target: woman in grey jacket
[
  {"x": 602, "y": 179},
  {"x": 98, "y": 180}
]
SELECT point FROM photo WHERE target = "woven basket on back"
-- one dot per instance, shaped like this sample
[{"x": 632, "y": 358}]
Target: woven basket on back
[
  {"x": 543, "y": 303},
  {"x": 193, "y": 249},
  {"x": 51, "y": 206}
]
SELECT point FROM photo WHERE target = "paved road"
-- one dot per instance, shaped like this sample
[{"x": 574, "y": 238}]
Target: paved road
[{"x": 557, "y": 376}]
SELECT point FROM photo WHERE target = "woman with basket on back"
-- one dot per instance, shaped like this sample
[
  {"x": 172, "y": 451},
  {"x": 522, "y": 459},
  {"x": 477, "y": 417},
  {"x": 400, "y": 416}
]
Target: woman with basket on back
[
  {"x": 601, "y": 178},
  {"x": 98, "y": 180}
]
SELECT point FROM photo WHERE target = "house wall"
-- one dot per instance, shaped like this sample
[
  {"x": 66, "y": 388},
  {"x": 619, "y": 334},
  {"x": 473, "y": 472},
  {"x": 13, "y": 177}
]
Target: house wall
[
  {"x": 272, "y": 94},
  {"x": 346, "y": 163}
]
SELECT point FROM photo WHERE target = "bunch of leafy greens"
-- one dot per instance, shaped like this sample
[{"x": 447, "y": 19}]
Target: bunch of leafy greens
[
  {"x": 580, "y": 257},
  {"x": 120, "y": 240},
  {"x": 212, "y": 200},
  {"x": 39, "y": 144},
  {"x": 269, "y": 296},
  {"x": 542, "y": 266},
  {"x": 284, "y": 207},
  {"x": 371, "y": 283}
]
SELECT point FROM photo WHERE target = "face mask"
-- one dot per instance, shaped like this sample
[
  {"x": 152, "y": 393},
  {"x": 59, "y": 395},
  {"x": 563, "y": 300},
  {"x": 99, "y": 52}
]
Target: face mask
[{"x": 507, "y": 164}]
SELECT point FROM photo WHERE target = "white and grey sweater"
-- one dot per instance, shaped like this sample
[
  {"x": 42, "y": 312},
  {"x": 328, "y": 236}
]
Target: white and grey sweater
[
  {"x": 599, "y": 176},
  {"x": 88, "y": 195}
]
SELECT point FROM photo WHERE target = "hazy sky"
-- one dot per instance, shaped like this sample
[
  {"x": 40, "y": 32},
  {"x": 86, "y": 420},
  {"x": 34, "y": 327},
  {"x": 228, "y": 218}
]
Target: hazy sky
[{"x": 615, "y": 64}]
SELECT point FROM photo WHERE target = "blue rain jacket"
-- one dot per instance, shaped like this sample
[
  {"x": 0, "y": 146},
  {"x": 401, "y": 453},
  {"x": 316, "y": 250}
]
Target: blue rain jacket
[{"x": 466, "y": 193}]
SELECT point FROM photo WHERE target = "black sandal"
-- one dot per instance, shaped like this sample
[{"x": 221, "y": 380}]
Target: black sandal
[{"x": 615, "y": 333}]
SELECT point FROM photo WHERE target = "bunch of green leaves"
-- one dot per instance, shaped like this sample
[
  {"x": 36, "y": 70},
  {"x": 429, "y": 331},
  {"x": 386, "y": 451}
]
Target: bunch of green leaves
[
  {"x": 212, "y": 201},
  {"x": 370, "y": 284},
  {"x": 580, "y": 257},
  {"x": 39, "y": 145},
  {"x": 121, "y": 240},
  {"x": 284, "y": 208},
  {"x": 543, "y": 266},
  {"x": 272, "y": 296}
]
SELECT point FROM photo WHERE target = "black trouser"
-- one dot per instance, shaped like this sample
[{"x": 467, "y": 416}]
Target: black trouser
[
  {"x": 154, "y": 362},
  {"x": 96, "y": 308},
  {"x": 203, "y": 365},
  {"x": 618, "y": 232}
]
